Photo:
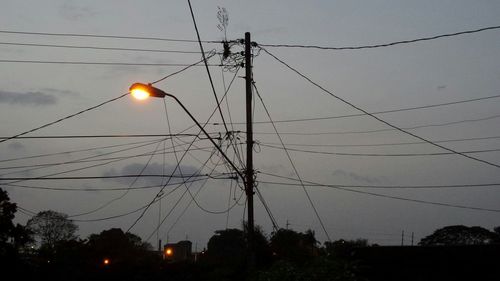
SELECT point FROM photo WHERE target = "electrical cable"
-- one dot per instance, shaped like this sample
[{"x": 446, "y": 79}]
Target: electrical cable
[
  {"x": 185, "y": 68},
  {"x": 72, "y": 151},
  {"x": 206, "y": 66},
  {"x": 102, "y": 36},
  {"x": 107, "y": 136},
  {"x": 116, "y": 159},
  {"x": 382, "y": 154},
  {"x": 378, "y": 112},
  {"x": 268, "y": 210},
  {"x": 384, "y": 44},
  {"x": 383, "y": 130},
  {"x": 100, "y": 63},
  {"x": 292, "y": 163},
  {"x": 397, "y": 197},
  {"x": 120, "y": 197},
  {"x": 64, "y": 118},
  {"x": 97, "y": 48},
  {"x": 381, "y": 144},
  {"x": 112, "y": 189},
  {"x": 378, "y": 118}
]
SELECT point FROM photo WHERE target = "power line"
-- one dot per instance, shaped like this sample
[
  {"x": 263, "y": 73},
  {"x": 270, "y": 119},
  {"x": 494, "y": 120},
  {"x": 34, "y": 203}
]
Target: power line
[
  {"x": 110, "y": 177},
  {"x": 376, "y": 112},
  {"x": 99, "y": 63},
  {"x": 393, "y": 186},
  {"x": 64, "y": 118},
  {"x": 120, "y": 197},
  {"x": 185, "y": 68},
  {"x": 382, "y": 144},
  {"x": 378, "y": 118},
  {"x": 72, "y": 151},
  {"x": 97, "y": 48},
  {"x": 111, "y": 136},
  {"x": 382, "y": 154},
  {"x": 85, "y": 189},
  {"x": 388, "y": 129},
  {"x": 399, "y": 198},
  {"x": 291, "y": 163},
  {"x": 206, "y": 66},
  {"x": 110, "y": 159},
  {"x": 103, "y": 36},
  {"x": 386, "y": 186},
  {"x": 268, "y": 210},
  {"x": 383, "y": 44}
]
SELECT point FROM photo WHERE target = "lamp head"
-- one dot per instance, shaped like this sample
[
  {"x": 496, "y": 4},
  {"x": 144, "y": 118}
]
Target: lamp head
[{"x": 142, "y": 91}]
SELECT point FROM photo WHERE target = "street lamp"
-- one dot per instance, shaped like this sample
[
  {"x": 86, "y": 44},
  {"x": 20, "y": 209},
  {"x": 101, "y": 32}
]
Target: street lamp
[{"x": 142, "y": 91}]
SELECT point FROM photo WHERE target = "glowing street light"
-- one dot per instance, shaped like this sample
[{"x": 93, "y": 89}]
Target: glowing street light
[
  {"x": 142, "y": 91},
  {"x": 106, "y": 261},
  {"x": 169, "y": 252}
]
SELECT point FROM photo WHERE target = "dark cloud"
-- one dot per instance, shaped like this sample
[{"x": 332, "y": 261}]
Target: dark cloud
[
  {"x": 61, "y": 92},
  {"x": 152, "y": 169},
  {"x": 17, "y": 146},
  {"x": 28, "y": 98},
  {"x": 72, "y": 10},
  {"x": 344, "y": 175}
]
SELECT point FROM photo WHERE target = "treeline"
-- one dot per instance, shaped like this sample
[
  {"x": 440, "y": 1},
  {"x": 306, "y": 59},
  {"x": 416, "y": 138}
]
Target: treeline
[{"x": 47, "y": 248}]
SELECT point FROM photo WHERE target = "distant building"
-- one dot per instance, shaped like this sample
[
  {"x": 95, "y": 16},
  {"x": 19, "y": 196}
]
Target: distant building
[{"x": 180, "y": 251}]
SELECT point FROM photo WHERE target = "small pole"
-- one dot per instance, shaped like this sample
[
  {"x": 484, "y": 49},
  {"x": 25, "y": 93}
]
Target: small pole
[
  {"x": 412, "y": 235},
  {"x": 402, "y": 238}
]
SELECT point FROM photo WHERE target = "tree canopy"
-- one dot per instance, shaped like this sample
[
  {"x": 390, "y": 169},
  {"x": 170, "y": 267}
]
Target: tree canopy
[
  {"x": 51, "y": 227},
  {"x": 459, "y": 235}
]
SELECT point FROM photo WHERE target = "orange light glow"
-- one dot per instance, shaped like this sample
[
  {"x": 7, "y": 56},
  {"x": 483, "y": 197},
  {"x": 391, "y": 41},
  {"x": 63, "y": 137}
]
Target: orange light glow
[
  {"x": 106, "y": 261},
  {"x": 140, "y": 94},
  {"x": 169, "y": 252}
]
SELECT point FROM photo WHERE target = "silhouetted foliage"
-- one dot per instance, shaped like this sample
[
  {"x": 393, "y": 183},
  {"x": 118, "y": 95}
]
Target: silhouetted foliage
[
  {"x": 344, "y": 248},
  {"x": 459, "y": 235},
  {"x": 50, "y": 227},
  {"x": 7, "y": 211},
  {"x": 294, "y": 246},
  {"x": 13, "y": 239}
]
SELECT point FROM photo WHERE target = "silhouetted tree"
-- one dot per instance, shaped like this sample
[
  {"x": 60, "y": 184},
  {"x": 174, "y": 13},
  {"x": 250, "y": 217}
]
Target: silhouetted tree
[
  {"x": 7, "y": 211},
  {"x": 496, "y": 230},
  {"x": 11, "y": 236},
  {"x": 344, "y": 248},
  {"x": 459, "y": 235},
  {"x": 50, "y": 227},
  {"x": 293, "y": 246},
  {"x": 128, "y": 257}
]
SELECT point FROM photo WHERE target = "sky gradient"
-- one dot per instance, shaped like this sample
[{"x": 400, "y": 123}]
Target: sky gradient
[{"x": 425, "y": 73}]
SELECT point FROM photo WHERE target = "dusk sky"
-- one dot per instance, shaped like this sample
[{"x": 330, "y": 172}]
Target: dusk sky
[{"x": 355, "y": 153}]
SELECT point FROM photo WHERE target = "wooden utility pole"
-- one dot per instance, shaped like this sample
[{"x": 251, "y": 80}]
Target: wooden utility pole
[{"x": 249, "y": 168}]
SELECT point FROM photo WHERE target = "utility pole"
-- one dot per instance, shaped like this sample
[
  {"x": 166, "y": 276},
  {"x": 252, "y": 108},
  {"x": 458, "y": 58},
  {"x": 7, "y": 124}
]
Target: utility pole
[
  {"x": 402, "y": 238},
  {"x": 249, "y": 170}
]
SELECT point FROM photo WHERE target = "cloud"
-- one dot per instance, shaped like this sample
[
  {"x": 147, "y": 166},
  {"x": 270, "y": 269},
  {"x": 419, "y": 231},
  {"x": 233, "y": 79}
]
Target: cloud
[
  {"x": 356, "y": 178},
  {"x": 61, "y": 92},
  {"x": 28, "y": 98},
  {"x": 71, "y": 10},
  {"x": 17, "y": 146},
  {"x": 151, "y": 169}
]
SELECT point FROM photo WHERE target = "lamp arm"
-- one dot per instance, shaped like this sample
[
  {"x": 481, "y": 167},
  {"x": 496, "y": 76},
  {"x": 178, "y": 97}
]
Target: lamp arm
[{"x": 208, "y": 136}]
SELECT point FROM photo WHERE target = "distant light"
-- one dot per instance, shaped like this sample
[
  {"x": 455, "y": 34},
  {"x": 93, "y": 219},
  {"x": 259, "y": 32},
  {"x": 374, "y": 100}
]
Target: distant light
[
  {"x": 169, "y": 252},
  {"x": 106, "y": 261},
  {"x": 139, "y": 93}
]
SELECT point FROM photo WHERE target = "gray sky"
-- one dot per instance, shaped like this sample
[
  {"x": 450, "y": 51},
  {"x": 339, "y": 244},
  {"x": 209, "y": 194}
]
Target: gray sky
[{"x": 433, "y": 72}]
